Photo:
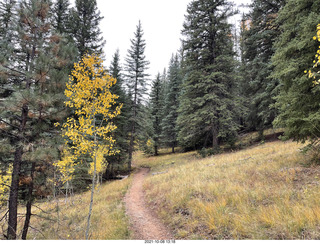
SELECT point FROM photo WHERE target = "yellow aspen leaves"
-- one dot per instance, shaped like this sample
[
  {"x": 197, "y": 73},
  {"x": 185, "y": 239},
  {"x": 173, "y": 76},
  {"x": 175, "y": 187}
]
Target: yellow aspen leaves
[
  {"x": 312, "y": 73},
  {"x": 89, "y": 131},
  {"x": 5, "y": 182},
  {"x": 66, "y": 166},
  {"x": 100, "y": 162}
]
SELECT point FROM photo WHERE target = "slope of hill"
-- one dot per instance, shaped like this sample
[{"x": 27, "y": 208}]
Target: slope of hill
[{"x": 263, "y": 192}]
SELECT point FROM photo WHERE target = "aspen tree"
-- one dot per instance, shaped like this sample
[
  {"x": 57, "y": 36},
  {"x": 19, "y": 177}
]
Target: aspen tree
[{"x": 89, "y": 131}]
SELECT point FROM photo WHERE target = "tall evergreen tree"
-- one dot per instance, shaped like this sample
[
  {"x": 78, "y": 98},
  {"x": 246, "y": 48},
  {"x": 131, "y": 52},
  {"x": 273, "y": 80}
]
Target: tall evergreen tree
[
  {"x": 207, "y": 108},
  {"x": 61, "y": 16},
  {"x": 171, "y": 104},
  {"x": 259, "y": 31},
  {"x": 7, "y": 20},
  {"x": 121, "y": 121},
  {"x": 298, "y": 101},
  {"x": 156, "y": 103},
  {"x": 37, "y": 70},
  {"x": 85, "y": 20},
  {"x": 136, "y": 76}
]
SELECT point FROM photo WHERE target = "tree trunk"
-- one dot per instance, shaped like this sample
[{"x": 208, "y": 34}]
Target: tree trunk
[
  {"x": 155, "y": 150},
  {"x": 112, "y": 170},
  {"x": 261, "y": 136},
  {"x": 29, "y": 204},
  {"x": 93, "y": 179},
  {"x": 13, "y": 197},
  {"x": 215, "y": 142},
  {"x": 173, "y": 149},
  {"x": 134, "y": 117},
  {"x": 91, "y": 202},
  {"x": 130, "y": 150}
]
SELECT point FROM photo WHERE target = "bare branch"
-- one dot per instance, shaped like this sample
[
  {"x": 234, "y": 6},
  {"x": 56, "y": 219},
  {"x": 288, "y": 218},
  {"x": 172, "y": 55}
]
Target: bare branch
[
  {"x": 9, "y": 134},
  {"x": 37, "y": 230},
  {"x": 40, "y": 209},
  {"x": 4, "y": 215},
  {"x": 11, "y": 69},
  {"x": 9, "y": 124},
  {"x": 41, "y": 217}
]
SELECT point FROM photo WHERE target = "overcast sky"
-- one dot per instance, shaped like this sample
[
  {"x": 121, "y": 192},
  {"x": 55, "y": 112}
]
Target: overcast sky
[{"x": 161, "y": 22}]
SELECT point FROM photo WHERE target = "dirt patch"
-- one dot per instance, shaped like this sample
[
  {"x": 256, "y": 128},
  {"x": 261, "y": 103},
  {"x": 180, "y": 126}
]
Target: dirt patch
[{"x": 143, "y": 221}]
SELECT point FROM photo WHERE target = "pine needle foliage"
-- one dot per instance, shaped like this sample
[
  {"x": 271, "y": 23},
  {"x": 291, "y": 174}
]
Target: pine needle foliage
[
  {"x": 298, "y": 101},
  {"x": 207, "y": 111},
  {"x": 136, "y": 80}
]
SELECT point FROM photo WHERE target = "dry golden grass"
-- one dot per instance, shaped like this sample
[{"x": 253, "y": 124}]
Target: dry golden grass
[
  {"x": 108, "y": 221},
  {"x": 165, "y": 160},
  {"x": 262, "y": 192}
]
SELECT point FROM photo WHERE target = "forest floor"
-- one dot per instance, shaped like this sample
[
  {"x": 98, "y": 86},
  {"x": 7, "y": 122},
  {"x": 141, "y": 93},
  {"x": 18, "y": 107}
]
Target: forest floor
[{"x": 144, "y": 224}]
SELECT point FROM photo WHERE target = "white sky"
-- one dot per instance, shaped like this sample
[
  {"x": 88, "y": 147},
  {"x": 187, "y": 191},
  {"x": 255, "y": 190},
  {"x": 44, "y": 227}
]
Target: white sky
[{"x": 161, "y": 22}]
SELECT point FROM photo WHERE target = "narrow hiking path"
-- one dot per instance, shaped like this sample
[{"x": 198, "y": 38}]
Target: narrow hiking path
[{"x": 143, "y": 221}]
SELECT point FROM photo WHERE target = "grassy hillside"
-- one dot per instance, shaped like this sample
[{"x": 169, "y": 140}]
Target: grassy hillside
[
  {"x": 108, "y": 221},
  {"x": 263, "y": 192}
]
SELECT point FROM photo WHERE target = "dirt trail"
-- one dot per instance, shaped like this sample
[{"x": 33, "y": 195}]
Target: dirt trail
[{"x": 143, "y": 221}]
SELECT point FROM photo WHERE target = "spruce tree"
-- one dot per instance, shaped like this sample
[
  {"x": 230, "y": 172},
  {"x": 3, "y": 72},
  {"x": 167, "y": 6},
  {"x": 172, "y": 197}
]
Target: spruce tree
[
  {"x": 298, "y": 101},
  {"x": 136, "y": 79},
  {"x": 259, "y": 31},
  {"x": 207, "y": 111},
  {"x": 85, "y": 20},
  {"x": 121, "y": 121},
  {"x": 156, "y": 104},
  {"x": 37, "y": 71},
  {"x": 171, "y": 104}
]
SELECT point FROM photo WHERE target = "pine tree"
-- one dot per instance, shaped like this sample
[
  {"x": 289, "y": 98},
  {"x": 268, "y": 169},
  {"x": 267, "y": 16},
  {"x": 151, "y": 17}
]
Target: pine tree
[
  {"x": 61, "y": 16},
  {"x": 207, "y": 112},
  {"x": 35, "y": 76},
  {"x": 298, "y": 101},
  {"x": 121, "y": 121},
  {"x": 156, "y": 104},
  {"x": 259, "y": 31},
  {"x": 85, "y": 20},
  {"x": 171, "y": 104},
  {"x": 7, "y": 19},
  {"x": 136, "y": 78}
]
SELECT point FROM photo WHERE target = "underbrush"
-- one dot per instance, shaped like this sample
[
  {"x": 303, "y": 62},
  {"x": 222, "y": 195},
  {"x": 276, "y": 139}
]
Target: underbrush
[{"x": 263, "y": 192}]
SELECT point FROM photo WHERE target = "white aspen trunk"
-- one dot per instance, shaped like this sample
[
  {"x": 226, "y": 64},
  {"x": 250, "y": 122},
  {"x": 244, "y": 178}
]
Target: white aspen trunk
[
  {"x": 57, "y": 202},
  {"x": 93, "y": 180}
]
